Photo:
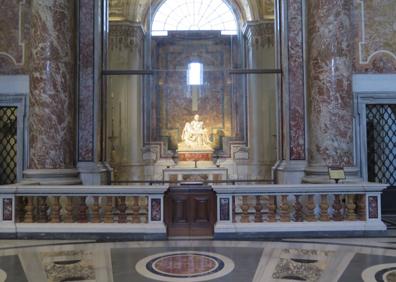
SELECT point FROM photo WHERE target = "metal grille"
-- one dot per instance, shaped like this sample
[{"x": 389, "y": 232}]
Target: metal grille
[
  {"x": 381, "y": 143},
  {"x": 8, "y": 145}
]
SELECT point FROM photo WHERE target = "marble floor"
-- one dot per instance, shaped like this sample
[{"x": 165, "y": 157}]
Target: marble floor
[{"x": 345, "y": 260}]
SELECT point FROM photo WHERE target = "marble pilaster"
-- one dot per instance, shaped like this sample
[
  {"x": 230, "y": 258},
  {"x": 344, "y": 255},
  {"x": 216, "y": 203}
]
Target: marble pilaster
[
  {"x": 51, "y": 108},
  {"x": 291, "y": 168},
  {"x": 93, "y": 170},
  {"x": 330, "y": 108},
  {"x": 296, "y": 81}
]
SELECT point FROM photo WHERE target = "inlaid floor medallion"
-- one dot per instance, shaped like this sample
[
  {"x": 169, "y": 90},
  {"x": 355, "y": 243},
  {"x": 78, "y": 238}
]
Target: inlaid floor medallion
[{"x": 185, "y": 266}]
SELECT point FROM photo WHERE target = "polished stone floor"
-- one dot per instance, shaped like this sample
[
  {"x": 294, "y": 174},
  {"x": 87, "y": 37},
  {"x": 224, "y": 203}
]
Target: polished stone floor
[{"x": 345, "y": 260}]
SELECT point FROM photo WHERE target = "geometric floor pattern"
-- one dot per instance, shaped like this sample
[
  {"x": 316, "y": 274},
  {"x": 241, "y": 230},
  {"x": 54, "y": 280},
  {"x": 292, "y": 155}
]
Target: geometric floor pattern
[{"x": 345, "y": 260}]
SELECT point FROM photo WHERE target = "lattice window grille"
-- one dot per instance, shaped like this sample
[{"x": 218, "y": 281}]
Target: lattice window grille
[
  {"x": 8, "y": 145},
  {"x": 381, "y": 143}
]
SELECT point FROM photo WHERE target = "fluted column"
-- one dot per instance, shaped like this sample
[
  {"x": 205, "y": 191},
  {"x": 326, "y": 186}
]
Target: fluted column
[
  {"x": 51, "y": 108},
  {"x": 329, "y": 81},
  {"x": 125, "y": 101},
  {"x": 262, "y": 106}
]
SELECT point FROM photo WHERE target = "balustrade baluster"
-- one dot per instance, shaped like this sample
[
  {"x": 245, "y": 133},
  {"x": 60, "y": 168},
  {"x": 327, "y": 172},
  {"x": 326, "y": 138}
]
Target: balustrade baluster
[
  {"x": 258, "y": 217},
  {"x": 284, "y": 209},
  {"x": 245, "y": 209},
  {"x": 361, "y": 207},
  {"x": 233, "y": 209},
  {"x": 144, "y": 206},
  {"x": 108, "y": 210},
  {"x": 350, "y": 208},
  {"x": 55, "y": 210},
  {"x": 122, "y": 207},
  {"x": 68, "y": 218},
  {"x": 135, "y": 210},
  {"x": 337, "y": 206},
  {"x": 271, "y": 209},
  {"x": 42, "y": 210},
  {"x": 95, "y": 210},
  {"x": 29, "y": 211},
  {"x": 20, "y": 209},
  {"x": 310, "y": 206},
  {"x": 298, "y": 210},
  {"x": 324, "y": 208},
  {"x": 82, "y": 211}
]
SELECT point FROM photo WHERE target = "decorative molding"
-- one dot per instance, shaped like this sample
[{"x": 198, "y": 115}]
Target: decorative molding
[
  {"x": 365, "y": 54},
  {"x": 21, "y": 42},
  {"x": 260, "y": 34},
  {"x": 126, "y": 35}
]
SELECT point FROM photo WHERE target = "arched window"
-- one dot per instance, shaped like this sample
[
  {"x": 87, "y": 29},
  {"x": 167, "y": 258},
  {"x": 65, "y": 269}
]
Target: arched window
[{"x": 194, "y": 15}]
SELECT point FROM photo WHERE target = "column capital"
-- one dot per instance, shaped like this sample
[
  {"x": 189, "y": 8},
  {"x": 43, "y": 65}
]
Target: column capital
[{"x": 260, "y": 33}]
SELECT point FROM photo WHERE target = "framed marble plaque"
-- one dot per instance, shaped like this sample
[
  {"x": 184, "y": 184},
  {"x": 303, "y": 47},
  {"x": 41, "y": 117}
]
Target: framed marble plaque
[{"x": 7, "y": 209}]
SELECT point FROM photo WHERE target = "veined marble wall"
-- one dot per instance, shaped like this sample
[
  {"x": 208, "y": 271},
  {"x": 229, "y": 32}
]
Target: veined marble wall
[{"x": 373, "y": 46}]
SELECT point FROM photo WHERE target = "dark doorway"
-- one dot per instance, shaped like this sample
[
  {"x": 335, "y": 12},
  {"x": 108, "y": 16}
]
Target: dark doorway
[
  {"x": 190, "y": 210},
  {"x": 8, "y": 145},
  {"x": 381, "y": 151}
]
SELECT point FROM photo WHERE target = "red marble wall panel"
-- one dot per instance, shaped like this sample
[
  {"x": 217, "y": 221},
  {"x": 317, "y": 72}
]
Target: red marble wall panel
[
  {"x": 51, "y": 115},
  {"x": 296, "y": 81},
  {"x": 86, "y": 81},
  {"x": 375, "y": 36},
  {"x": 14, "y": 36},
  {"x": 330, "y": 107}
]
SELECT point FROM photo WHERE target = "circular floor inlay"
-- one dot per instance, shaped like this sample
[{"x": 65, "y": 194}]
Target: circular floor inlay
[
  {"x": 185, "y": 266},
  {"x": 378, "y": 272}
]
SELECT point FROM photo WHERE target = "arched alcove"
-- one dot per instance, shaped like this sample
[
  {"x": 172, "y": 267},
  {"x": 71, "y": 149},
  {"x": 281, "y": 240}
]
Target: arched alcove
[{"x": 148, "y": 106}]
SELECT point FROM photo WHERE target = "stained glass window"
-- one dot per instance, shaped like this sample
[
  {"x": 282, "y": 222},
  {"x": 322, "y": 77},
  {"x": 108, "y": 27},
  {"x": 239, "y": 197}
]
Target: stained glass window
[{"x": 194, "y": 15}]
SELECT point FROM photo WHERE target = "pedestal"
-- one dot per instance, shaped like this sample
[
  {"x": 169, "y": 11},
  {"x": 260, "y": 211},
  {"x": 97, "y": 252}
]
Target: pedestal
[{"x": 202, "y": 155}]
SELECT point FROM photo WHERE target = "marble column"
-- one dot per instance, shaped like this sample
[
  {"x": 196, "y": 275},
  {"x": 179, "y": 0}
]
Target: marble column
[
  {"x": 125, "y": 137},
  {"x": 52, "y": 91},
  {"x": 330, "y": 99},
  {"x": 262, "y": 102}
]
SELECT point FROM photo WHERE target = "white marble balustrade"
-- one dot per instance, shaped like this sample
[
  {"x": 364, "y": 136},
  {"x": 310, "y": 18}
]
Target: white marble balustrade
[
  {"x": 82, "y": 209},
  {"x": 299, "y": 208},
  {"x": 241, "y": 208}
]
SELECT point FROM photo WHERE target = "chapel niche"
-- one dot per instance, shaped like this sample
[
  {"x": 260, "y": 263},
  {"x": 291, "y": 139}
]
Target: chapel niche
[{"x": 149, "y": 98}]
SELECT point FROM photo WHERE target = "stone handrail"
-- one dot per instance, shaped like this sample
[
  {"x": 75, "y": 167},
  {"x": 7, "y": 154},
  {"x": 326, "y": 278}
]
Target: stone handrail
[
  {"x": 311, "y": 207},
  {"x": 139, "y": 209}
]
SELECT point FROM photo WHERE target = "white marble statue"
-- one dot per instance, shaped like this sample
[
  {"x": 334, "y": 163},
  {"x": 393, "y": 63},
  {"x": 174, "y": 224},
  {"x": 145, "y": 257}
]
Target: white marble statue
[{"x": 195, "y": 136}]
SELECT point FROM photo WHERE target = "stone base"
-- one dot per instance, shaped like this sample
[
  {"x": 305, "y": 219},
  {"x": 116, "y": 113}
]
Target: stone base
[
  {"x": 320, "y": 175},
  {"x": 195, "y": 155},
  {"x": 92, "y": 173},
  {"x": 51, "y": 177},
  {"x": 289, "y": 172}
]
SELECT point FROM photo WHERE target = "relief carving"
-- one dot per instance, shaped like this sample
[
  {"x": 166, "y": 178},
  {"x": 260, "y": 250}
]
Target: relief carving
[
  {"x": 12, "y": 46},
  {"x": 377, "y": 29}
]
